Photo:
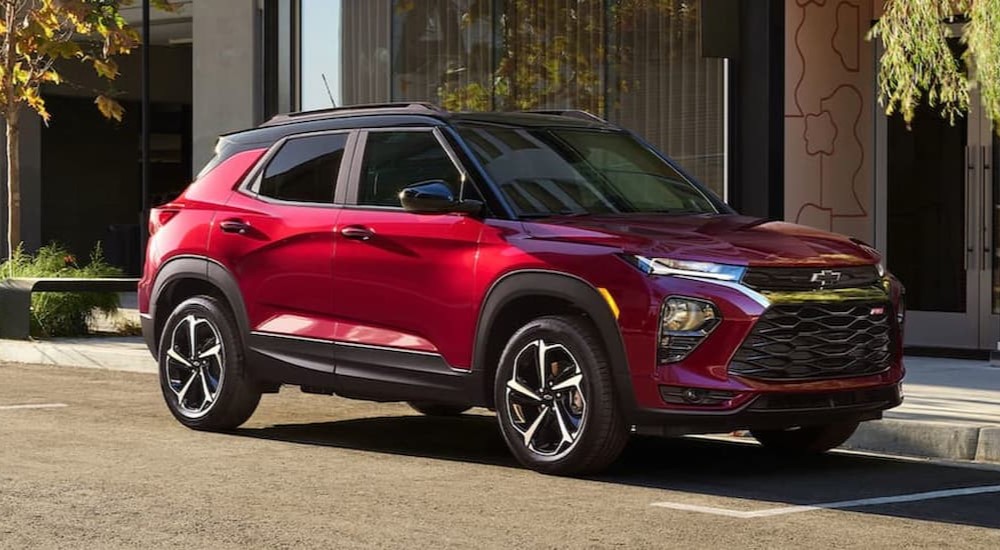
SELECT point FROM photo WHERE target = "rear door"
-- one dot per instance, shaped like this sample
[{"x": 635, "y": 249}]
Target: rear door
[
  {"x": 403, "y": 281},
  {"x": 278, "y": 234}
]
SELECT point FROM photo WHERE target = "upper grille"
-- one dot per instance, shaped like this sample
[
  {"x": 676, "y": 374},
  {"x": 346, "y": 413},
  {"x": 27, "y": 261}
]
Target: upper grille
[
  {"x": 810, "y": 278},
  {"x": 817, "y": 341}
]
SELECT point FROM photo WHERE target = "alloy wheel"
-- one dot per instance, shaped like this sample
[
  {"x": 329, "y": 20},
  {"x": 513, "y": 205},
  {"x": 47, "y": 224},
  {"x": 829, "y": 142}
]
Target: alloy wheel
[
  {"x": 194, "y": 365},
  {"x": 545, "y": 398}
]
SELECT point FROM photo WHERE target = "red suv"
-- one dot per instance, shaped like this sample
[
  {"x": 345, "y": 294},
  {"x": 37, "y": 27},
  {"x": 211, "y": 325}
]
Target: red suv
[{"x": 549, "y": 266}]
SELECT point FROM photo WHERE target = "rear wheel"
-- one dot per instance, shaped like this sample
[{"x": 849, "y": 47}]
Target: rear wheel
[
  {"x": 437, "y": 409},
  {"x": 555, "y": 398},
  {"x": 806, "y": 440},
  {"x": 202, "y": 372}
]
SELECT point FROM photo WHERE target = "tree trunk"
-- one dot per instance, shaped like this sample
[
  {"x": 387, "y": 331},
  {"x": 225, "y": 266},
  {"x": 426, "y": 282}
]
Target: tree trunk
[{"x": 13, "y": 183}]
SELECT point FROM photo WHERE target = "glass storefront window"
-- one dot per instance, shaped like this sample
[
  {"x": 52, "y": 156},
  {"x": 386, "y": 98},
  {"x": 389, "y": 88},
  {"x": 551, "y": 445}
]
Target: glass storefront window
[{"x": 636, "y": 62}]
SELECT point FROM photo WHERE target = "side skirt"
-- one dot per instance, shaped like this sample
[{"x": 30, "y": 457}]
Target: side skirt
[{"x": 363, "y": 372}]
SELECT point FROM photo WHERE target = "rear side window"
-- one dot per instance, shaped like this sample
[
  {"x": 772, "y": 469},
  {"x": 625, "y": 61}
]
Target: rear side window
[{"x": 305, "y": 169}]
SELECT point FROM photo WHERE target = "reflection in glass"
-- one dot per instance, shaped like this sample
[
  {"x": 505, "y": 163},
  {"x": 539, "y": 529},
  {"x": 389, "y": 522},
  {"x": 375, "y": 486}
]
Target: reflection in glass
[{"x": 636, "y": 62}]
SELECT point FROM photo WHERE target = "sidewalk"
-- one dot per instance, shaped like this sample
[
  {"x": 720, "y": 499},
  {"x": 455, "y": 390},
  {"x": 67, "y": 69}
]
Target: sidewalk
[{"x": 951, "y": 410}]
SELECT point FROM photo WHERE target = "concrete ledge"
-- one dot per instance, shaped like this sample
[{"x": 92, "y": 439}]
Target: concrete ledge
[
  {"x": 927, "y": 440},
  {"x": 989, "y": 445},
  {"x": 125, "y": 354}
]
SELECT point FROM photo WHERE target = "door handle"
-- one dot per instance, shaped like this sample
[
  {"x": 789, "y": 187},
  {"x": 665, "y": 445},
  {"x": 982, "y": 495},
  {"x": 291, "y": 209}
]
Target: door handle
[
  {"x": 988, "y": 206},
  {"x": 970, "y": 169},
  {"x": 235, "y": 226},
  {"x": 357, "y": 233}
]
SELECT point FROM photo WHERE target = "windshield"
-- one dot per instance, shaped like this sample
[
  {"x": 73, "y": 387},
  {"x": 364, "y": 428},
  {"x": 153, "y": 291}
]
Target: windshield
[{"x": 552, "y": 172}]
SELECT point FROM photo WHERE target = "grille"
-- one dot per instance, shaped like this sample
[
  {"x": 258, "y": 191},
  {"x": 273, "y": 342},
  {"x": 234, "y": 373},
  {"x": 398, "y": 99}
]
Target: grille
[
  {"x": 801, "y": 278},
  {"x": 829, "y": 400},
  {"x": 817, "y": 341}
]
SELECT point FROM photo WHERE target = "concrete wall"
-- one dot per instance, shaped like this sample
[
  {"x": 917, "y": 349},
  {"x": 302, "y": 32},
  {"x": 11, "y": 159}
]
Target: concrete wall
[
  {"x": 227, "y": 85},
  {"x": 829, "y": 124}
]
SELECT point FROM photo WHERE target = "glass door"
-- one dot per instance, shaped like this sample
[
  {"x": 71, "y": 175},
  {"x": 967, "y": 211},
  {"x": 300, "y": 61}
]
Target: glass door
[{"x": 940, "y": 229}]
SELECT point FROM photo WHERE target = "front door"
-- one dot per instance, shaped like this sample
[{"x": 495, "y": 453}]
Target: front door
[
  {"x": 404, "y": 281},
  {"x": 941, "y": 226}
]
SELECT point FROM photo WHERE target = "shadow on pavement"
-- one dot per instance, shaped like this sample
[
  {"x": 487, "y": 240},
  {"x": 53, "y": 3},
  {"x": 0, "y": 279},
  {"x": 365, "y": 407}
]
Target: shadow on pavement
[{"x": 691, "y": 465}]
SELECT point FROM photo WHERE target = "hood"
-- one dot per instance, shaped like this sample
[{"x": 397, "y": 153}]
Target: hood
[{"x": 726, "y": 239}]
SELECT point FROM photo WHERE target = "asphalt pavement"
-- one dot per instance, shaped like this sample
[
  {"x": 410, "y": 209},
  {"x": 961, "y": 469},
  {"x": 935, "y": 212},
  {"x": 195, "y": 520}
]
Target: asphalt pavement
[{"x": 92, "y": 458}]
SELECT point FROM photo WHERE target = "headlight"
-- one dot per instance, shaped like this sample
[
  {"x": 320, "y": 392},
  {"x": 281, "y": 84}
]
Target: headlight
[
  {"x": 684, "y": 324},
  {"x": 688, "y": 268},
  {"x": 881, "y": 268}
]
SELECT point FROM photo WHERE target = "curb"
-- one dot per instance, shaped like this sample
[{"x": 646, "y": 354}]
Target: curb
[
  {"x": 928, "y": 440},
  {"x": 124, "y": 354}
]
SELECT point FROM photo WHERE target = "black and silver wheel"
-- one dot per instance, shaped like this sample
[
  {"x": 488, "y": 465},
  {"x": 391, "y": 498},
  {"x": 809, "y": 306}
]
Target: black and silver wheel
[
  {"x": 806, "y": 440},
  {"x": 555, "y": 398},
  {"x": 202, "y": 375},
  {"x": 437, "y": 409}
]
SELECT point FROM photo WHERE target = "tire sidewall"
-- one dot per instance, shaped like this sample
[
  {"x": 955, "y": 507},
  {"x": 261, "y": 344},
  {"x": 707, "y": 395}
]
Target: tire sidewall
[
  {"x": 552, "y": 330},
  {"x": 233, "y": 378}
]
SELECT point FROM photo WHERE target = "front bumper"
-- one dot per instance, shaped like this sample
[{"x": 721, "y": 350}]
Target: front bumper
[
  {"x": 746, "y": 399},
  {"x": 774, "y": 411}
]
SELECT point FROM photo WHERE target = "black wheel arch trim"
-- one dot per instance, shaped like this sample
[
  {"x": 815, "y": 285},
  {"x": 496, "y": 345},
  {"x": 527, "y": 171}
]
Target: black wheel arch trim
[
  {"x": 204, "y": 269},
  {"x": 567, "y": 287}
]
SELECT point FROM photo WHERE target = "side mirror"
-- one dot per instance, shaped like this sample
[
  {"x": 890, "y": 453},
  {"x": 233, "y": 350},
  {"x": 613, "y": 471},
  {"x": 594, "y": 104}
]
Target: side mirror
[{"x": 435, "y": 197}]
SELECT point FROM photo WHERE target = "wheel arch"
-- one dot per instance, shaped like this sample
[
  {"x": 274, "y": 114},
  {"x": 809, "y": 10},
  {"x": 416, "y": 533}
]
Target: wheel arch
[
  {"x": 186, "y": 276},
  {"x": 517, "y": 297}
]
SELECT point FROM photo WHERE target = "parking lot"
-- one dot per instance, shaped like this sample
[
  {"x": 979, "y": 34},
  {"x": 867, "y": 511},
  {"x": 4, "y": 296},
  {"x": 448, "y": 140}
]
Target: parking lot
[{"x": 92, "y": 458}]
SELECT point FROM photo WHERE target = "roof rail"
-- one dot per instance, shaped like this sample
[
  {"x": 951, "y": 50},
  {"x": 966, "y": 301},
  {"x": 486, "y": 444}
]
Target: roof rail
[
  {"x": 408, "y": 107},
  {"x": 571, "y": 113}
]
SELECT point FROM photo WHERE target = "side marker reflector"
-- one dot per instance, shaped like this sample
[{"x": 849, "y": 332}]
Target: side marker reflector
[{"x": 610, "y": 300}]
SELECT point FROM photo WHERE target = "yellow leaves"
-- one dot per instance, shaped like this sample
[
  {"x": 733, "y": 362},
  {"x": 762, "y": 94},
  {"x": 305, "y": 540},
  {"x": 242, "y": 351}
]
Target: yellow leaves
[
  {"x": 109, "y": 107},
  {"x": 106, "y": 68},
  {"x": 35, "y": 101}
]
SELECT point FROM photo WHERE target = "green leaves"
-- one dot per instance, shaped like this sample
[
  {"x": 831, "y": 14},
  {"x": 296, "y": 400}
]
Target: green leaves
[{"x": 920, "y": 64}]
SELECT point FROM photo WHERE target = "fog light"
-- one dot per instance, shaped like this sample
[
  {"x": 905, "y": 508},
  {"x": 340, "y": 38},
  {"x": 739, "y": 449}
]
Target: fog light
[
  {"x": 684, "y": 324},
  {"x": 695, "y": 396}
]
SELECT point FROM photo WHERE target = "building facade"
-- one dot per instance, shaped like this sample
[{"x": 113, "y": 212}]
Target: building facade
[{"x": 770, "y": 103}]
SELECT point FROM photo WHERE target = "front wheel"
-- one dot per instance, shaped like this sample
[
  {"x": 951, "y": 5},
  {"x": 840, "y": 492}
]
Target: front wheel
[
  {"x": 555, "y": 398},
  {"x": 806, "y": 440},
  {"x": 202, "y": 370}
]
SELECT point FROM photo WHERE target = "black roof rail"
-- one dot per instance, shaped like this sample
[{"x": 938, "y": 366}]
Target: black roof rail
[
  {"x": 571, "y": 113},
  {"x": 368, "y": 108}
]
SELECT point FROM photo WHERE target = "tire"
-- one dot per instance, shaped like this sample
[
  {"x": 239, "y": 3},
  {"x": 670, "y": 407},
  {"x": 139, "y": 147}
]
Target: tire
[
  {"x": 807, "y": 440},
  {"x": 582, "y": 413},
  {"x": 233, "y": 395},
  {"x": 437, "y": 409}
]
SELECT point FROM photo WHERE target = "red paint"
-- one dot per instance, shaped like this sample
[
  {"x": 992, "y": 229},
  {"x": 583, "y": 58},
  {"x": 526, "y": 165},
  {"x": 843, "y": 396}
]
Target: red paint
[{"x": 419, "y": 282}]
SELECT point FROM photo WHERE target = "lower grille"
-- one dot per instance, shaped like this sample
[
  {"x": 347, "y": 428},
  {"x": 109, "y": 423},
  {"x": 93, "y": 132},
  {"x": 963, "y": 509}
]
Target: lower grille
[
  {"x": 817, "y": 341},
  {"x": 868, "y": 398}
]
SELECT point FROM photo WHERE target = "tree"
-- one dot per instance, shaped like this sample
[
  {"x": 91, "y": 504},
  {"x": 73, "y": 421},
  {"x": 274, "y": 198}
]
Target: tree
[
  {"x": 36, "y": 34},
  {"x": 919, "y": 65},
  {"x": 554, "y": 53}
]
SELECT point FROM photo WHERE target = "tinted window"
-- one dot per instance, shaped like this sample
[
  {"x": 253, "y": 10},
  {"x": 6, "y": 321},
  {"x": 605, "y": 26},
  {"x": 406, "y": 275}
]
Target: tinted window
[
  {"x": 546, "y": 172},
  {"x": 394, "y": 160},
  {"x": 305, "y": 169}
]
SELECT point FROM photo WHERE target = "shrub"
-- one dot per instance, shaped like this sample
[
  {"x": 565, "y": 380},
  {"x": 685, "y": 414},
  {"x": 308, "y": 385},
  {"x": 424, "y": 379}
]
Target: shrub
[{"x": 63, "y": 313}]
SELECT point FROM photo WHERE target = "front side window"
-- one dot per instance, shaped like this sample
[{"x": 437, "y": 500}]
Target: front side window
[
  {"x": 396, "y": 160},
  {"x": 549, "y": 172},
  {"x": 305, "y": 169}
]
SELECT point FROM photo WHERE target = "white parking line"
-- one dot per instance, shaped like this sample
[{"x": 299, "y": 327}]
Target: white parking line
[
  {"x": 914, "y": 497},
  {"x": 33, "y": 406}
]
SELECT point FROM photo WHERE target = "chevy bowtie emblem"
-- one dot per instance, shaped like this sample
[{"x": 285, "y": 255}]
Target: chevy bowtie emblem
[{"x": 826, "y": 277}]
